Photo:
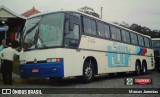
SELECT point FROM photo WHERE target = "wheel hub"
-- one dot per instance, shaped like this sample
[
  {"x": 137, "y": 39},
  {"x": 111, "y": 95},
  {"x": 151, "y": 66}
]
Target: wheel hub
[{"x": 88, "y": 72}]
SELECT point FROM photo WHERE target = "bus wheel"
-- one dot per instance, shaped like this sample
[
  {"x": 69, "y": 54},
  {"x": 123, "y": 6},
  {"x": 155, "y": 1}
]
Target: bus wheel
[
  {"x": 88, "y": 72},
  {"x": 144, "y": 69},
  {"x": 138, "y": 69}
]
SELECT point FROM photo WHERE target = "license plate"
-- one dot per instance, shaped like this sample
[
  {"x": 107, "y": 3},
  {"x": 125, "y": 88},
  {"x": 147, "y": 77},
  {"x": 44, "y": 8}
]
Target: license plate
[{"x": 35, "y": 70}]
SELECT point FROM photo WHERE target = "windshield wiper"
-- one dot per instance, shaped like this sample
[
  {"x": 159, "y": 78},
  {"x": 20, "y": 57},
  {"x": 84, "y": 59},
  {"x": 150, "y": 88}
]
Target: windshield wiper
[
  {"x": 32, "y": 28},
  {"x": 29, "y": 31}
]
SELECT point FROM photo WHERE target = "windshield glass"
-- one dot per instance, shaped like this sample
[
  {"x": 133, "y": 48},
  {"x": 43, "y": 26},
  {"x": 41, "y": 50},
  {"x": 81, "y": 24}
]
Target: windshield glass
[
  {"x": 30, "y": 30},
  {"x": 51, "y": 30},
  {"x": 47, "y": 31},
  {"x": 156, "y": 43}
]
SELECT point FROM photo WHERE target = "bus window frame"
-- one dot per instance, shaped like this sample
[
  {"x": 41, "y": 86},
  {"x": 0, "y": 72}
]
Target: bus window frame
[
  {"x": 92, "y": 35},
  {"x": 120, "y": 34},
  {"x": 80, "y": 27},
  {"x": 104, "y": 23},
  {"x": 128, "y": 34}
]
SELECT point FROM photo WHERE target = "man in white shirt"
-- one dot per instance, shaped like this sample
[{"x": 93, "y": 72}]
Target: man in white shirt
[{"x": 7, "y": 55}]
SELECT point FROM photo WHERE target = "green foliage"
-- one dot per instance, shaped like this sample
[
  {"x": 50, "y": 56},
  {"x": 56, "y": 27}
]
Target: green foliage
[
  {"x": 141, "y": 29},
  {"x": 89, "y": 10}
]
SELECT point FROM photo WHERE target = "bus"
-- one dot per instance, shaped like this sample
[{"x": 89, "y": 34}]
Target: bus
[
  {"x": 156, "y": 47},
  {"x": 73, "y": 44}
]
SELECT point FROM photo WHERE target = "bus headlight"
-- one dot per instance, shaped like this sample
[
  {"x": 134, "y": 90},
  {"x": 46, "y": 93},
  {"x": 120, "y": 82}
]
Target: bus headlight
[
  {"x": 23, "y": 62},
  {"x": 53, "y": 60}
]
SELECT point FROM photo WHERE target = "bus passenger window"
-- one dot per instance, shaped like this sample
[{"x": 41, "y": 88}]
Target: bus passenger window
[
  {"x": 146, "y": 42},
  {"x": 89, "y": 26},
  {"x": 113, "y": 30},
  {"x": 116, "y": 34},
  {"x": 134, "y": 38},
  {"x": 107, "y": 31},
  {"x": 100, "y": 28},
  {"x": 140, "y": 40},
  {"x": 125, "y": 36}
]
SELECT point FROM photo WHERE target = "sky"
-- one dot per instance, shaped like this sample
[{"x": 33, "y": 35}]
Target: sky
[{"x": 142, "y": 12}]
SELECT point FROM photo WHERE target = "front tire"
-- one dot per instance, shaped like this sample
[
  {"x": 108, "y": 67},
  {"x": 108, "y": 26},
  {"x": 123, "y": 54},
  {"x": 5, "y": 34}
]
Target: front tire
[{"x": 88, "y": 72}]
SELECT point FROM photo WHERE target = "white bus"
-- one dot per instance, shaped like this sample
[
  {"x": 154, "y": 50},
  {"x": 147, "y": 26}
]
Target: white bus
[{"x": 67, "y": 43}]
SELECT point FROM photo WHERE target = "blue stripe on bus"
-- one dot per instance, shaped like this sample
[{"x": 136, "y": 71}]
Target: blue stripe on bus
[{"x": 52, "y": 69}]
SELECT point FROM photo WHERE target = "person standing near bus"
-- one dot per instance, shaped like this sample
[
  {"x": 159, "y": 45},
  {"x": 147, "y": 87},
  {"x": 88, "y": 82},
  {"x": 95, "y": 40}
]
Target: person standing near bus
[
  {"x": 3, "y": 45},
  {"x": 7, "y": 55}
]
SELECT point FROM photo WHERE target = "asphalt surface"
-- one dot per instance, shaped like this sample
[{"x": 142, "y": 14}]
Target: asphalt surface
[{"x": 100, "y": 82}]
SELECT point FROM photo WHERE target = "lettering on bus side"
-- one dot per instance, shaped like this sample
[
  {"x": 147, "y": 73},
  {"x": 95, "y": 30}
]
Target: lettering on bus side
[{"x": 118, "y": 55}]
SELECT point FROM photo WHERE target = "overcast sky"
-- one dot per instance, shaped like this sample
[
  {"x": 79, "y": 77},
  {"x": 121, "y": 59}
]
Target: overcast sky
[{"x": 142, "y": 12}]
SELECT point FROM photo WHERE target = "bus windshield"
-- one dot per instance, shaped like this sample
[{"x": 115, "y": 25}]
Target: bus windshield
[{"x": 44, "y": 31}]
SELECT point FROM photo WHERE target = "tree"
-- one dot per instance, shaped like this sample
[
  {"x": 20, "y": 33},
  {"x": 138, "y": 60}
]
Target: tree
[
  {"x": 143, "y": 30},
  {"x": 89, "y": 10}
]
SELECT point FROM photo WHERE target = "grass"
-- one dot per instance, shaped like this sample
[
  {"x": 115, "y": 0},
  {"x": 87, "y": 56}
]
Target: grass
[{"x": 16, "y": 65}]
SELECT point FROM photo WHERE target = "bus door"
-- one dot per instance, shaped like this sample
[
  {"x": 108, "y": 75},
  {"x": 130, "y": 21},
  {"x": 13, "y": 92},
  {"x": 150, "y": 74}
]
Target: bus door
[{"x": 72, "y": 30}]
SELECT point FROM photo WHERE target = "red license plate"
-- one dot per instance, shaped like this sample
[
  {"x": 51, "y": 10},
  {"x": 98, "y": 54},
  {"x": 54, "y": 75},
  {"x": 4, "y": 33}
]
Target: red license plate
[{"x": 35, "y": 70}]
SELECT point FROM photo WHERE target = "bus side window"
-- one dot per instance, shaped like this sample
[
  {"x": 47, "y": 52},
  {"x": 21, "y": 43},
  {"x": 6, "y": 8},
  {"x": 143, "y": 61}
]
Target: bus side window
[
  {"x": 134, "y": 38},
  {"x": 116, "y": 33},
  {"x": 146, "y": 41},
  {"x": 107, "y": 30},
  {"x": 125, "y": 36},
  {"x": 72, "y": 31},
  {"x": 140, "y": 40},
  {"x": 100, "y": 28},
  {"x": 89, "y": 26},
  {"x": 113, "y": 32},
  {"x": 72, "y": 38}
]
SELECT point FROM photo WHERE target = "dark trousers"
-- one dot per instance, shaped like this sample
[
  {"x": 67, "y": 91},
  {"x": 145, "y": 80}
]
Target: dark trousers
[
  {"x": 7, "y": 71},
  {"x": 0, "y": 65}
]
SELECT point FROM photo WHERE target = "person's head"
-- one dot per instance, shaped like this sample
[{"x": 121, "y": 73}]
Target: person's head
[
  {"x": 4, "y": 42},
  {"x": 10, "y": 45}
]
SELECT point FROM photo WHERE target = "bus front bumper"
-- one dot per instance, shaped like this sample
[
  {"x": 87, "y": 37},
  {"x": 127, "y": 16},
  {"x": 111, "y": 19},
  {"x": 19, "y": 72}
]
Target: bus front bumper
[{"x": 44, "y": 70}]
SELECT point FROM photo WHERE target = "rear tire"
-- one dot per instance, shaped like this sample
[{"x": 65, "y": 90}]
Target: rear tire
[
  {"x": 138, "y": 69},
  {"x": 144, "y": 69},
  {"x": 88, "y": 72}
]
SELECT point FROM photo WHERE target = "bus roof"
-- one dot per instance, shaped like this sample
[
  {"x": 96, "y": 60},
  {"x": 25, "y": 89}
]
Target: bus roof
[
  {"x": 45, "y": 13},
  {"x": 155, "y": 38}
]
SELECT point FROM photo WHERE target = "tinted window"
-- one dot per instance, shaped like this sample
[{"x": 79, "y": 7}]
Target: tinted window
[
  {"x": 100, "y": 28},
  {"x": 93, "y": 27},
  {"x": 72, "y": 38},
  {"x": 125, "y": 36},
  {"x": 107, "y": 31},
  {"x": 133, "y": 38},
  {"x": 89, "y": 26},
  {"x": 116, "y": 35},
  {"x": 140, "y": 40},
  {"x": 146, "y": 40}
]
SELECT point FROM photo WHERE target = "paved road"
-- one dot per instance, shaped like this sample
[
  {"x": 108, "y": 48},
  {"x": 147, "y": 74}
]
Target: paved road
[{"x": 99, "y": 82}]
